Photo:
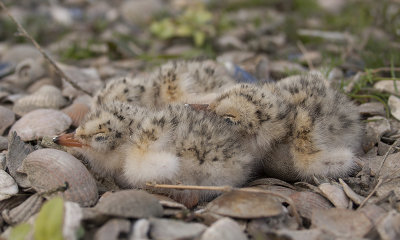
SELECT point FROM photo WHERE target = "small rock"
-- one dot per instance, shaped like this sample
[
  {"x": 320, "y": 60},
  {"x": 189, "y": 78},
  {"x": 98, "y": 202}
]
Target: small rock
[
  {"x": 281, "y": 69},
  {"x": 375, "y": 128},
  {"x": 72, "y": 220},
  {"x": 8, "y": 186},
  {"x": 372, "y": 109},
  {"x": 394, "y": 105},
  {"x": 7, "y": 118},
  {"x": 140, "y": 11},
  {"x": 389, "y": 227},
  {"x": 312, "y": 56},
  {"x": 388, "y": 86},
  {"x": 20, "y": 52},
  {"x": 332, "y": 6},
  {"x": 164, "y": 229},
  {"x": 3, "y": 143},
  {"x": 224, "y": 229}
]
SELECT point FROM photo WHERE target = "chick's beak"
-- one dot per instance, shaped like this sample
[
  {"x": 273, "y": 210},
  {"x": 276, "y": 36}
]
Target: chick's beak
[{"x": 67, "y": 140}]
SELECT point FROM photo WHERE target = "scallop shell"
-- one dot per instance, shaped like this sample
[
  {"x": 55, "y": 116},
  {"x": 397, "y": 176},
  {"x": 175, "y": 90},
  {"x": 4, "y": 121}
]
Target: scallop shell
[
  {"x": 23, "y": 211},
  {"x": 76, "y": 112},
  {"x": 49, "y": 169},
  {"x": 8, "y": 186},
  {"x": 7, "y": 118},
  {"x": 40, "y": 123},
  {"x": 335, "y": 194},
  {"x": 46, "y": 97}
]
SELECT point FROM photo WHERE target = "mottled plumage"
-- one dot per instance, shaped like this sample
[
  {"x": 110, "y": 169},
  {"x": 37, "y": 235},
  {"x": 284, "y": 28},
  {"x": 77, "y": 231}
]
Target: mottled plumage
[
  {"x": 173, "y": 82},
  {"x": 174, "y": 145},
  {"x": 299, "y": 127}
]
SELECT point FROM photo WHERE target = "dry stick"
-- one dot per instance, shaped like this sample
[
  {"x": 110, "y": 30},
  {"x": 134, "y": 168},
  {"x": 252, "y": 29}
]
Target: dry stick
[
  {"x": 45, "y": 55},
  {"x": 229, "y": 189},
  {"x": 380, "y": 180},
  {"x": 304, "y": 52}
]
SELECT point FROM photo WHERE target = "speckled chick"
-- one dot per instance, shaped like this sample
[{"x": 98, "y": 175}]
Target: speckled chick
[
  {"x": 174, "y": 145},
  {"x": 173, "y": 82},
  {"x": 299, "y": 127}
]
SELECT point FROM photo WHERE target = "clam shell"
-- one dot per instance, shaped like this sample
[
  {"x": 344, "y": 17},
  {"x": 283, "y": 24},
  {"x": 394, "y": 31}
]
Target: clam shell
[
  {"x": 130, "y": 204},
  {"x": 8, "y": 186},
  {"x": 49, "y": 169},
  {"x": 24, "y": 211},
  {"x": 40, "y": 123},
  {"x": 7, "y": 118},
  {"x": 76, "y": 111},
  {"x": 28, "y": 70},
  {"x": 46, "y": 97},
  {"x": 246, "y": 205},
  {"x": 305, "y": 202}
]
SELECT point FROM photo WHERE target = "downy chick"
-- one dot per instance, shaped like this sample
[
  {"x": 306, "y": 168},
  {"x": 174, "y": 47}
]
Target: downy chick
[
  {"x": 299, "y": 127},
  {"x": 175, "y": 145},
  {"x": 173, "y": 82}
]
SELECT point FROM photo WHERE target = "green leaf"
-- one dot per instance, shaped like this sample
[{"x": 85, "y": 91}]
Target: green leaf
[
  {"x": 20, "y": 232},
  {"x": 49, "y": 222},
  {"x": 163, "y": 29}
]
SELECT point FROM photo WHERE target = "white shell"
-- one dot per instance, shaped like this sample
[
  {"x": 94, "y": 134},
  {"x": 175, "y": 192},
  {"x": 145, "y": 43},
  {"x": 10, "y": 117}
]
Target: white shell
[
  {"x": 8, "y": 186},
  {"x": 40, "y": 123},
  {"x": 46, "y": 97},
  {"x": 394, "y": 105}
]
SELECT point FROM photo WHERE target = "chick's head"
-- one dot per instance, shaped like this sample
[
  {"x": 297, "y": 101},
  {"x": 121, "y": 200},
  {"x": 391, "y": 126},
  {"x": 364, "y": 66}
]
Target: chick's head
[{"x": 102, "y": 130}]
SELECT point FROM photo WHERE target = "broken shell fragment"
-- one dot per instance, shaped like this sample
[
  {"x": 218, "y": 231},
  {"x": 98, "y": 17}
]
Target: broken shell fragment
[
  {"x": 41, "y": 122},
  {"x": 306, "y": 202},
  {"x": 8, "y": 186},
  {"x": 28, "y": 70},
  {"x": 335, "y": 194},
  {"x": 46, "y": 97},
  {"x": 7, "y": 118},
  {"x": 23, "y": 211},
  {"x": 50, "y": 169}
]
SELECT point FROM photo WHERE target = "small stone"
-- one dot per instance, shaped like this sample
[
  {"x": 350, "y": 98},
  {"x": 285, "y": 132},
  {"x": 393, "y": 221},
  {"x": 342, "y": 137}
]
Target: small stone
[
  {"x": 112, "y": 229},
  {"x": 388, "y": 86},
  {"x": 224, "y": 229},
  {"x": 140, "y": 229},
  {"x": 164, "y": 229},
  {"x": 372, "y": 109},
  {"x": 3, "y": 143}
]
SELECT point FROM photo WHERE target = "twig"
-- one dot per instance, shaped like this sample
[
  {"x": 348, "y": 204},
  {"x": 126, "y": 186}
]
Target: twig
[
  {"x": 45, "y": 55},
  {"x": 380, "y": 181},
  {"x": 229, "y": 189},
  {"x": 304, "y": 51}
]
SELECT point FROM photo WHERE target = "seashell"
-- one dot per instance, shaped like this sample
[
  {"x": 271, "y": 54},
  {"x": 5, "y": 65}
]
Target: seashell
[
  {"x": 23, "y": 211},
  {"x": 49, "y": 169},
  {"x": 113, "y": 228},
  {"x": 84, "y": 98},
  {"x": 46, "y": 97},
  {"x": 130, "y": 204},
  {"x": 388, "y": 226},
  {"x": 335, "y": 194},
  {"x": 3, "y": 143},
  {"x": 77, "y": 112},
  {"x": 28, "y": 70},
  {"x": 17, "y": 152},
  {"x": 224, "y": 229},
  {"x": 7, "y": 118},
  {"x": 305, "y": 202},
  {"x": 12, "y": 202},
  {"x": 39, "y": 83},
  {"x": 41, "y": 122},
  {"x": 241, "y": 204},
  {"x": 20, "y": 52},
  {"x": 8, "y": 186},
  {"x": 341, "y": 222},
  {"x": 3, "y": 160}
]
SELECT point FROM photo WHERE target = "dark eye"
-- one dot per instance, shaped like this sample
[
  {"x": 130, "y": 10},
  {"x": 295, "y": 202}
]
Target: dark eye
[
  {"x": 100, "y": 138},
  {"x": 229, "y": 118}
]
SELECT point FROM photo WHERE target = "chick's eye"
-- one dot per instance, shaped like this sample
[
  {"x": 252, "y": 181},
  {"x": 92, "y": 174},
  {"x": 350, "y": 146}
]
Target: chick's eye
[
  {"x": 229, "y": 118},
  {"x": 100, "y": 137}
]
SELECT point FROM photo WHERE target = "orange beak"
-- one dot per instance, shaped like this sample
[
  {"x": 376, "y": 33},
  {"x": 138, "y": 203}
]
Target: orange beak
[
  {"x": 68, "y": 140},
  {"x": 199, "y": 107}
]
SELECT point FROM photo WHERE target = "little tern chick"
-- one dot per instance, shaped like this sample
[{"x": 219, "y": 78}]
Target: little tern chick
[
  {"x": 176, "y": 145},
  {"x": 299, "y": 127},
  {"x": 173, "y": 82}
]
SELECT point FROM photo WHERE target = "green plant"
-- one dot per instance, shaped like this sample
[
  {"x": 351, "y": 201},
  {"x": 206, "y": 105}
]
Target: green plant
[{"x": 195, "y": 22}]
